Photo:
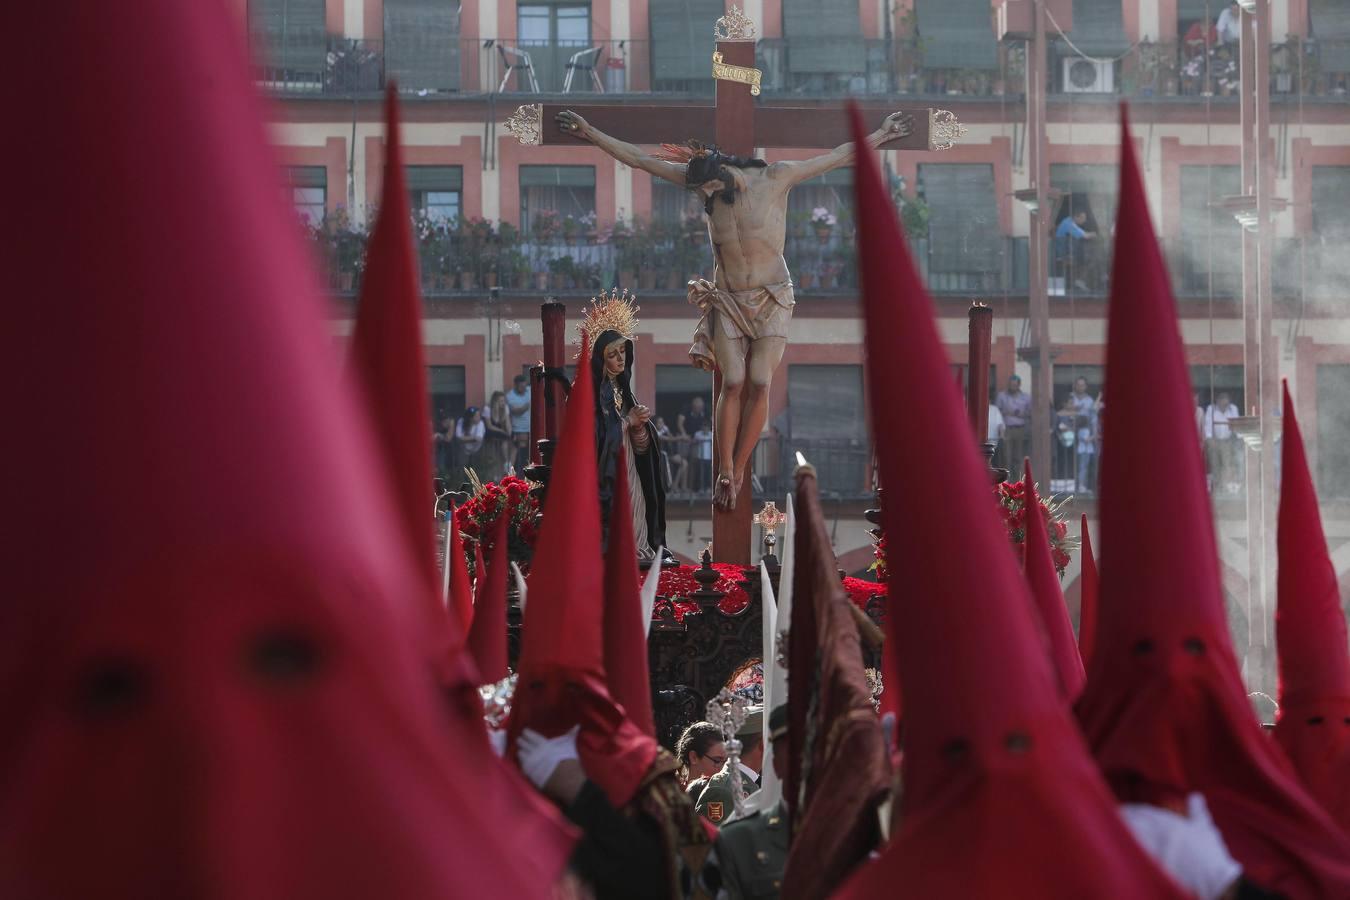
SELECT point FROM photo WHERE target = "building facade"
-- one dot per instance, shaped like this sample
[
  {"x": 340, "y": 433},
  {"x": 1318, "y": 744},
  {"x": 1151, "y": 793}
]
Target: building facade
[{"x": 503, "y": 225}]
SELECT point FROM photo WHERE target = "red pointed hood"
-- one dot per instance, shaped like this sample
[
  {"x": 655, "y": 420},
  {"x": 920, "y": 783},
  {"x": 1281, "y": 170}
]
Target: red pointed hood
[
  {"x": 1044, "y": 583},
  {"x": 1088, "y": 588},
  {"x": 487, "y": 634},
  {"x": 1314, "y": 723},
  {"x": 999, "y": 787},
  {"x": 625, "y": 633},
  {"x": 386, "y": 352},
  {"x": 460, "y": 601},
  {"x": 562, "y": 658},
  {"x": 220, "y": 688},
  {"x": 1164, "y": 708}
]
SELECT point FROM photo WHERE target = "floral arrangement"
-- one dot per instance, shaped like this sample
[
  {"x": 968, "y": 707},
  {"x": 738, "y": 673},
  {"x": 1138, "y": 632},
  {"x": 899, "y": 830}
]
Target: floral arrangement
[
  {"x": 1011, "y": 496},
  {"x": 823, "y": 218},
  {"x": 509, "y": 497},
  {"x": 1012, "y": 509}
]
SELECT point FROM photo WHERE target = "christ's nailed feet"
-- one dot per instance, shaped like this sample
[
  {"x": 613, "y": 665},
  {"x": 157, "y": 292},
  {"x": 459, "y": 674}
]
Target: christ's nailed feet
[{"x": 724, "y": 492}]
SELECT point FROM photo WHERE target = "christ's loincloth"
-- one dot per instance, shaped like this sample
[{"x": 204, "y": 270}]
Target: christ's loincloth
[{"x": 743, "y": 316}]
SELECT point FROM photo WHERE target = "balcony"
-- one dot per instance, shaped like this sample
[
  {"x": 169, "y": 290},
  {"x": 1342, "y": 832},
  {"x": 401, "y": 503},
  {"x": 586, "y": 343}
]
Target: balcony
[{"x": 309, "y": 64}]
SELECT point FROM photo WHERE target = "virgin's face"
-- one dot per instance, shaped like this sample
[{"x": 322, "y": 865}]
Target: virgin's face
[{"x": 614, "y": 359}]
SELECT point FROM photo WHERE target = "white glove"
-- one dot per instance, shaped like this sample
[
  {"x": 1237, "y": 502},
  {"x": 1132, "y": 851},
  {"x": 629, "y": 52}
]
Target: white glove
[
  {"x": 497, "y": 738},
  {"x": 1189, "y": 847},
  {"x": 539, "y": 755}
]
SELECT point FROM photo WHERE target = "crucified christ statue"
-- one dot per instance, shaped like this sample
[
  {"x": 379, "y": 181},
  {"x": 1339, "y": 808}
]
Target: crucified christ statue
[{"x": 748, "y": 304}]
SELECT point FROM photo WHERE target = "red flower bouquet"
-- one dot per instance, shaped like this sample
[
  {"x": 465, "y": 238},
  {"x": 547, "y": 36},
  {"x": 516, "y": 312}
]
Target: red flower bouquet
[{"x": 509, "y": 497}]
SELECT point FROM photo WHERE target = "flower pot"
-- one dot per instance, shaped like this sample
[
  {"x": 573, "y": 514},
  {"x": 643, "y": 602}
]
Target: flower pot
[
  {"x": 345, "y": 280},
  {"x": 647, "y": 279},
  {"x": 490, "y": 280},
  {"x": 466, "y": 281},
  {"x": 826, "y": 282},
  {"x": 557, "y": 281},
  {"x": 823, "y": 233},
  {"x": 541, "y": 281},
  {"x": 627, "y": 278},
  {"x": 805, "y": 280}
]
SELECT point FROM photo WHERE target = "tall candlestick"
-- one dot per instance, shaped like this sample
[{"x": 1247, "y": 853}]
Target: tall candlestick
[
  {"x": 977, "y": 384},
  {"x": 537, "y": 388},
  {"x": 554, "y": 317}
]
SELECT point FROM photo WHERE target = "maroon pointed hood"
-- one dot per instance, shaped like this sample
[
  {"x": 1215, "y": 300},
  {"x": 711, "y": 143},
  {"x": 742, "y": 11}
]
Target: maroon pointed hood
[
  {"x": 999, "y": 788},
  {"x": 1165, "y": 708},
  {"x": 1314, "y": 723},
  {"x": 386, "y": 352},
  {"x": 1044, "y": 583},
  {"x": 217, "y": 685},
  {"x": 487, "y": 634},
  {"x": 1088, "y": 589}
]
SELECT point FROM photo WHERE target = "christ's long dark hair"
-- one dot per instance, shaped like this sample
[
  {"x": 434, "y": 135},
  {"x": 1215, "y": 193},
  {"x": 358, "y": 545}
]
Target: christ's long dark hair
[{"x": 712, "y": 166}]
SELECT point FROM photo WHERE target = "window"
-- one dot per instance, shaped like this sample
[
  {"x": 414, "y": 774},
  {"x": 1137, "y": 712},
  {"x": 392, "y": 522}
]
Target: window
[
  {"x": 676, "y": 387},
  {"x": 827, "y": 424},
  {"x": 435, "y": 191},
  {"x": 1333, "y": 423},
  {"x": 672, "y": 203},
  {"x": 565, "y": 190},
  {"x": 1331, "y": 28},
  {"x": 1331, "y": 202},
  {"x": 824, "y": 39},
  {"x": 682, "y": 43},
  {"x": 1210, "y": 381},
  {"x": 308, "y": 188},
  {"x": 1208, "y": 254},
  {"x": 964, "y": 244},
  {"x": 1090, "y": 190},
  {"x": 421, "y": 44},
  {"x": 956, "y": 34},
  {"x": 290, "y": 42},
  {"x": 552, "y": 33},
  {"x": 445, "y": 384}
]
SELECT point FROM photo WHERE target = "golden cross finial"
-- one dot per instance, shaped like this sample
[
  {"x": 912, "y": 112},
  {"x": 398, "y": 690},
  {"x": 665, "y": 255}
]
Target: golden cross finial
[{"x": 769, "y": 518}]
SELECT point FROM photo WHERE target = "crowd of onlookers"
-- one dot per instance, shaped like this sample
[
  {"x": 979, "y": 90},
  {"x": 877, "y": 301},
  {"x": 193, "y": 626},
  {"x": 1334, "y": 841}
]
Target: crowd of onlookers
[
  {"x": 1076, "y": 434},
  {"x": 492, "y": 440}
]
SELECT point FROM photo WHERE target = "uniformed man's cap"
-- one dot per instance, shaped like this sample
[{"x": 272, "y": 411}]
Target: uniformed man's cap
[
  {"x": 754, "y": 722},
  {"x": 778, "y": 722}
]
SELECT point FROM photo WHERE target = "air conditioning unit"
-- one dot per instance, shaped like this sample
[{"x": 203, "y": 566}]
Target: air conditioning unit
[{"x": 1088, "y": 76}]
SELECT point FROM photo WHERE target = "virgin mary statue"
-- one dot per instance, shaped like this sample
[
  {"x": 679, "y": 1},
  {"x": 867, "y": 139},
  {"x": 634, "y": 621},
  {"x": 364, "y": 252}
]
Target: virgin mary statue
[{"x": 620, "y": 421}]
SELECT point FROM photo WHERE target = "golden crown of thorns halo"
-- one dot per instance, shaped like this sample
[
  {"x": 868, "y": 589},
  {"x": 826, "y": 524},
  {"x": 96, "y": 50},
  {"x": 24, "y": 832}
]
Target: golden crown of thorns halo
[{"x": 613, "y": 310}]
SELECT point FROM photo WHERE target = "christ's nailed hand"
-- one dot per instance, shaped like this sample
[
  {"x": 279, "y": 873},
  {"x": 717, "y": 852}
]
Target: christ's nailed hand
[
  {"x": 898, "y": 124},
  {"x": 572, "y": 123}
]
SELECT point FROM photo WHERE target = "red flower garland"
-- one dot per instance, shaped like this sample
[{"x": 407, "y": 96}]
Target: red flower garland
[
  {"x": 678, "y": 583},
  {"x": 1012, "y": 510}
]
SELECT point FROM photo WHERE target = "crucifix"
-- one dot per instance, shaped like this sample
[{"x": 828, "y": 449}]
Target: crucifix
[{"x": 747, "y": 305}]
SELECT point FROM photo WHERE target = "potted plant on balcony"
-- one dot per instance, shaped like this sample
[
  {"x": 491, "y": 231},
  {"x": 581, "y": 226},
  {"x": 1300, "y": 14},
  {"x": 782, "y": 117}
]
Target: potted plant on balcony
[
  {"x": 545, "y": 225},
  {"x": 823, "y": 221},
  {"x": 914, "y": 216},
  {"x": 349, "y": 247},
  {"x": 561, "y": 272},
  {"x": 844, "y": 261}
]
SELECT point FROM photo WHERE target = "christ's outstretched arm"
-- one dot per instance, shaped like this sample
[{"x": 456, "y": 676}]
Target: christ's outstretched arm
[
  {"x": 624, "y": 152},
  {"x": 896, "y": 125}
]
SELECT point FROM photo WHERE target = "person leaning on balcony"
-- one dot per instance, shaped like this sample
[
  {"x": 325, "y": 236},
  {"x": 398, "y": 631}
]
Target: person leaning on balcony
[
  {"x": 1221, "y": 444},
  {"x": 518, "y": 403},
  {"x": 1229, "y": 24},
  {"x": 1015, "y": 405},
  {"x": 1068, "y": 243}
]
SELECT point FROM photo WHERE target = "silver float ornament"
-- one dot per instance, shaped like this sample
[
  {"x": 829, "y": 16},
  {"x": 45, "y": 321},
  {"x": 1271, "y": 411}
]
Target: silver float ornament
[{"x": 728, "y": 712}]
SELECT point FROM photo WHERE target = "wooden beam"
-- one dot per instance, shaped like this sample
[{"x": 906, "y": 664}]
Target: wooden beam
[{"x": 784, "y": 127}]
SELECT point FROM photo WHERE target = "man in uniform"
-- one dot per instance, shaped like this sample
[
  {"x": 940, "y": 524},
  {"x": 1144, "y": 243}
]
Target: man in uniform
[
  {"x": 716, "y": 803},
  {"x": 752, "y": 852}
]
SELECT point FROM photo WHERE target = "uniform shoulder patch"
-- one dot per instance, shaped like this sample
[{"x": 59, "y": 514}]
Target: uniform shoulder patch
[{"x": 715, "y": 810}]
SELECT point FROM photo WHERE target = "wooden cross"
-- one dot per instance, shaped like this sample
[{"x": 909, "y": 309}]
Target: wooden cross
[{"x": 736, "y": 125}]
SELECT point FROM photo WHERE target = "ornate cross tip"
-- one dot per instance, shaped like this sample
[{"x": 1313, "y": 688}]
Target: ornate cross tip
[
  {"x": 526, "y": 124},
  {"x": 944, "y": 129},
  {"x": 769, "y": 518},
  {"x": 734, "y": 26}
]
